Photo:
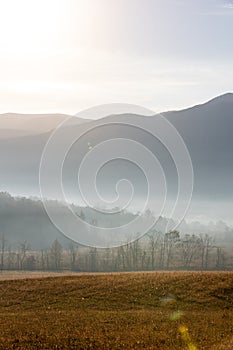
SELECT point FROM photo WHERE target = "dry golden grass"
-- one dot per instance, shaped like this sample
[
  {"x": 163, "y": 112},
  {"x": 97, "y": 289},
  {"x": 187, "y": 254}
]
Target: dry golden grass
[
  {"x": 16, "y": 275},
  {"x": 115, "y": 311}
]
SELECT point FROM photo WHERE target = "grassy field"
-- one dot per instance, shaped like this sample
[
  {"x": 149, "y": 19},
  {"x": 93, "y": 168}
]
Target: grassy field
[{"x": 118, "y": 311}]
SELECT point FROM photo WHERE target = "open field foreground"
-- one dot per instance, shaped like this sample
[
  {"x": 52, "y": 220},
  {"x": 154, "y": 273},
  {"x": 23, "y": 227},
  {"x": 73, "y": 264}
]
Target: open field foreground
[{"x": 118, "y": 311}]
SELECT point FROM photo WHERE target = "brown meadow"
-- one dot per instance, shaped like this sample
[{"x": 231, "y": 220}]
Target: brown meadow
[{"x": 115, "y": 311}]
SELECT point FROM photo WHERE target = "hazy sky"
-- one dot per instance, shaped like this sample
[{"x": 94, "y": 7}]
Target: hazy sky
[{"x": 66, "y": 55}]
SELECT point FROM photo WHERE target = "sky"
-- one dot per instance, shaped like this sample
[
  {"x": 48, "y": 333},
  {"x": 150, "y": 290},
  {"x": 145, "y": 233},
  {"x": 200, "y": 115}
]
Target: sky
[{"x": 68, "y": 55}]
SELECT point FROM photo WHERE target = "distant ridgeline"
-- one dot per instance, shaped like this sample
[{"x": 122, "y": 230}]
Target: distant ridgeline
[{"x": 25, "y": 219}]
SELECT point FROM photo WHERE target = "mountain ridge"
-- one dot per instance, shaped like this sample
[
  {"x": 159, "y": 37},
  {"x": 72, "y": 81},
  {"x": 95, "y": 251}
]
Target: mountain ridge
[
  {"x": 206, "y": 130},
  {"x": 223, "y": 98}
]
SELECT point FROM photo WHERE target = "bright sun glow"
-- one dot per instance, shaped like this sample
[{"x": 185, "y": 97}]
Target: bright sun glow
[{"x": 28, "y": 24}]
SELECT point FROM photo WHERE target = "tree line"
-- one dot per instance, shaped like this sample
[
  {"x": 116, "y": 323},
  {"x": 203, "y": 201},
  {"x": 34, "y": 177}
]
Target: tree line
[{"x": 155, "y": 251}]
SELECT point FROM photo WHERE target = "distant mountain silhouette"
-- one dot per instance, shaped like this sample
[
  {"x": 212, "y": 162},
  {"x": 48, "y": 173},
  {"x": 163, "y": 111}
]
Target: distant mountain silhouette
[
  {"x": 28, "y": 124},
  {"x": 25, "y": 219},
  {"x": 206, "y": 129}
]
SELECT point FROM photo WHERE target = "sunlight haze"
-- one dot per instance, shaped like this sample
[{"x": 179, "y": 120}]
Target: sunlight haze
[{"x": 67, "y": 55}]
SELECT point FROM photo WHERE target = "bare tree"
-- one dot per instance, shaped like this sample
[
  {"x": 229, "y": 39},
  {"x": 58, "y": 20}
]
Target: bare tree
[
  {"x": 10, "y": 258},
  {"x": 220, "y": 257},
  {"x": 135, "y": 252},
  {"x": 30, "y": 262},
  {"x": 2, "y": 250},
  {"x": 170, "y": 240},
  {"x": 155, "y": 241},
  {"x": 21, "y": 255},
  {"x": 206, "y": 243},
  {"x": 189, "y": 247},
  {"x": 56, "y": 255},
  {"x": 121, "y": 256},
  {"x": 73, "y": 253},
  {"x": 42, "y": 259},
  {"x": 93, "y": 259}
]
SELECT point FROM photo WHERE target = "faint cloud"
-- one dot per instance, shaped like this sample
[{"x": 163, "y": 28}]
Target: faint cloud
[
  {"x": 223, "y": 8},
  {"x": 227, "y": 5}
]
